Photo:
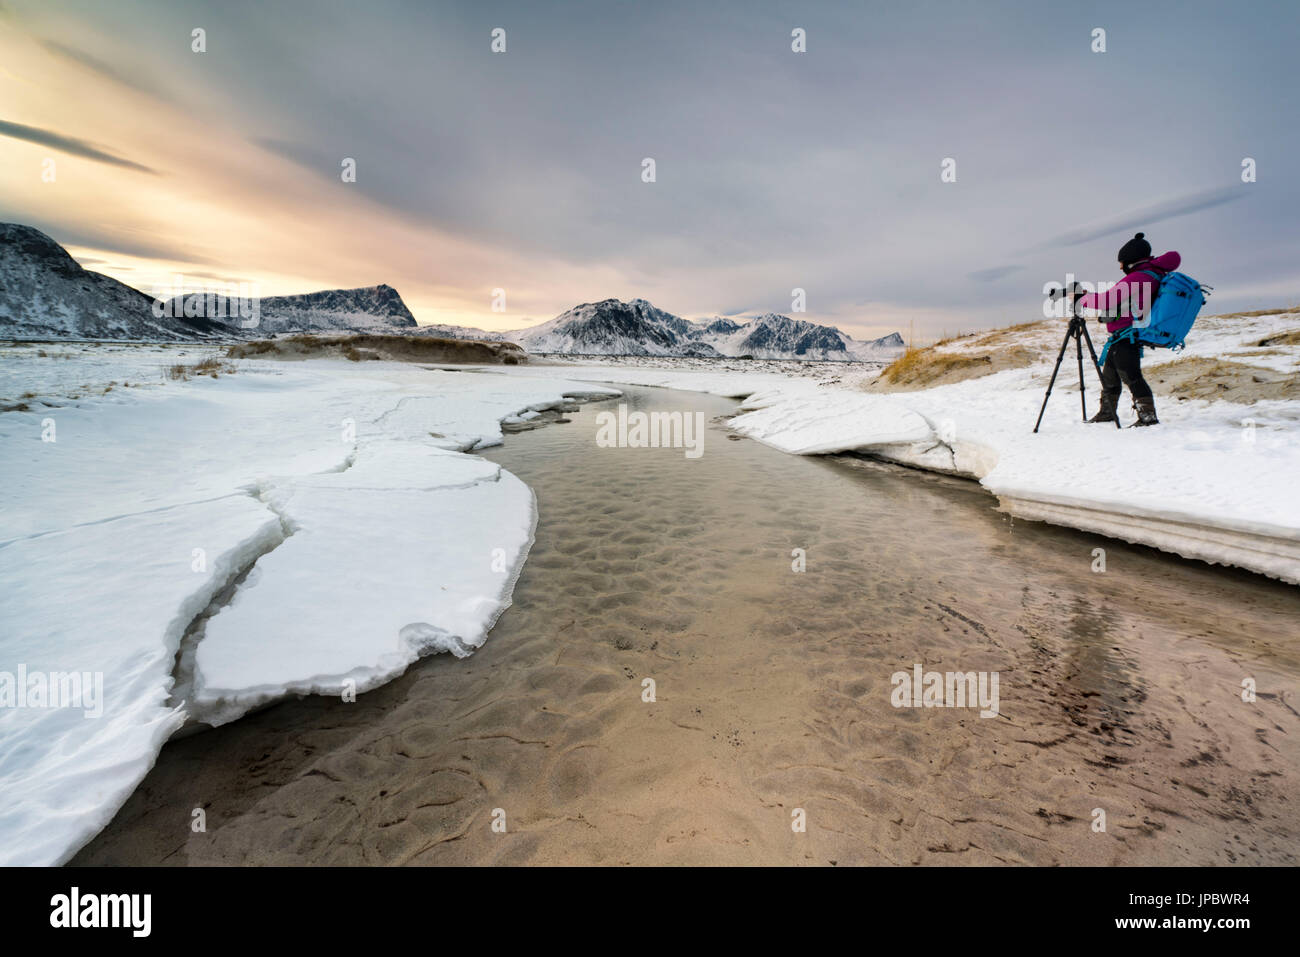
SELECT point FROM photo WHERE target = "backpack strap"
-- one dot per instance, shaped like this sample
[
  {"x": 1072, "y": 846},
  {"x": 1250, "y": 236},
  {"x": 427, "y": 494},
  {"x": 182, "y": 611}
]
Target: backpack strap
[
  {"x": 1127, "y": 333},
  {"x": 1158, "y": 276}
]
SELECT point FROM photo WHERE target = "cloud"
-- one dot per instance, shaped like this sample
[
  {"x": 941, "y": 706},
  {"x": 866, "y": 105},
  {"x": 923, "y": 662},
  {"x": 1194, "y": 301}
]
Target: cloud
[
  {"x": 68, "y": 144},
  {"x": 134, "y": 82},
  {"x": 1178, "y": 206},
  {"x": 524, "y": 172},
  {"x": 993, "y": 273},
  {"x": 115, "y": 240},
  {"x": 306, "y": 156},
  {"x": 233, "y": 280}
]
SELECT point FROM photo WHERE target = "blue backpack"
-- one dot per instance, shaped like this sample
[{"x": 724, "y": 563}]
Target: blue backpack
[{"x": 1177, "y": 302}]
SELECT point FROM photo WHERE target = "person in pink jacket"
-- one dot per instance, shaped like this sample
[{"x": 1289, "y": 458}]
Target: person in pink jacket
[{"x": 1117, "y": 306}]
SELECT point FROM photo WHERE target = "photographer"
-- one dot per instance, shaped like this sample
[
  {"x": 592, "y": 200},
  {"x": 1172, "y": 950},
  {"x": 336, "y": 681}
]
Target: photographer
[{"x": 1117, "y": 306}]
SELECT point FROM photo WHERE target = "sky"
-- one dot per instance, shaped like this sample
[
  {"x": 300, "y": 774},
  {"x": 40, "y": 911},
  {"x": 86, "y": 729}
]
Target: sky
[{"x": 775, "y": 170}]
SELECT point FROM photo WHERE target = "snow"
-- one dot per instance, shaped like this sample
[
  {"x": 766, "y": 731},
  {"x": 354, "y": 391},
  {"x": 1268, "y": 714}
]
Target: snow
[
  {"x": 781, "y": 337},
  {"x": 341, "y": 491},
  {"x": 734, "y": 378},
  {"x": 1214, "y": 481},
  {"x": 374, "y": 309},
  {"x": 316, "y": 526},
  {"x": 109, "y": 598},
  {"x": 44, "y": 293},
  {"x": 376, "y": 573},
  {"x": 63, "y": 373}
]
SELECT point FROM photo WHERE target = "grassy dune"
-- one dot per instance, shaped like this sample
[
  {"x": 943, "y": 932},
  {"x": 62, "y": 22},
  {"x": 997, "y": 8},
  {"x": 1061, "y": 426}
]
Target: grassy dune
[{"x": 361, "y": 347}]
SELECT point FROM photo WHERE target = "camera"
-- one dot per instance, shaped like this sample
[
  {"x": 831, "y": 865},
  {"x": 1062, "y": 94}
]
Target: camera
[{"x": 1073, "y": 290}]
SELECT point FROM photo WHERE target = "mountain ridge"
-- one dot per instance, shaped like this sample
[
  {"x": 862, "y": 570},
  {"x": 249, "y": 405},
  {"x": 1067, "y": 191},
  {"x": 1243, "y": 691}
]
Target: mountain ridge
[
  {"x": 638, "y": 328},
  {"x": 362, "y": 309},
  {"x": 46, "y": 293}
]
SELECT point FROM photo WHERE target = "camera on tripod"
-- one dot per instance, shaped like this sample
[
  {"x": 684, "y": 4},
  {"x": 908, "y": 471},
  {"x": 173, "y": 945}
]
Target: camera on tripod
[
  {"x": 1074, "y": 290},
  {"x": 1078, "y": 331}
]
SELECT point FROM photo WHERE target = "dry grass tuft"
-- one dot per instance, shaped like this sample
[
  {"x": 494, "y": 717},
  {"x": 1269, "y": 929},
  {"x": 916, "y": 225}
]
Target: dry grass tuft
[
  {"x": 247, "y": 350},
  {"x": 920, "y": 368},
  {"x": 211, "y": 366},
  {"x": 365, "y": 346},
  {"x": 1195, "y": 377},
  {"x": 926, "y": 365},
  {"x": 1291, "y": 338},
  {"x": 1253, "y": 314}
]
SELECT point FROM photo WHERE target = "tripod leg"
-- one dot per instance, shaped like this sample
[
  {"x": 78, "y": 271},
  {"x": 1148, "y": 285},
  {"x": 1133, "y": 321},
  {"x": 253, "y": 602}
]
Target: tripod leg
[
  {"x": 1091, "y": 351},
  {"x": 1064, "y": 342},
  {"x": 1083, "y": 390}
]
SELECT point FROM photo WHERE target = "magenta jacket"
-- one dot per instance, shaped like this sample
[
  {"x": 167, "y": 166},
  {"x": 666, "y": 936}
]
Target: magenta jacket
[{"x": 1134, "y": 290}]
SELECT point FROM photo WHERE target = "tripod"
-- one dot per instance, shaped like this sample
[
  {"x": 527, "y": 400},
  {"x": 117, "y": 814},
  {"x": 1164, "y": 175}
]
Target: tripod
[{"x": 1078, "y": 331}]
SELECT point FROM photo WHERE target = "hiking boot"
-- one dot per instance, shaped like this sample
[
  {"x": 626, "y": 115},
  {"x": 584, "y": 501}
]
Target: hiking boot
[
  {"x": 1107, "y": 413},
  {"x": 1146, "y": 410}
]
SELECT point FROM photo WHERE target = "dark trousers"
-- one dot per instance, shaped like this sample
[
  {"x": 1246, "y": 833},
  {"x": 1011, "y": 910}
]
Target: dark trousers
[{"x": 1124, "y": 364}]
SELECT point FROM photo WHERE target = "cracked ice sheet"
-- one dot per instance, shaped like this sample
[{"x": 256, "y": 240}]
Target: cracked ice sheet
[
  {"x": 111, "y": 598},
  {"x": 728, "y": 383},
  {"x": 370, "y": 579},
  {"x": 466, "y": 408},
  {"x": 157, "y": 449},
  {"x": 1197, "y": 466},
  {"x": 832, "y": 422},
  {"x": 96, "y": 526}
]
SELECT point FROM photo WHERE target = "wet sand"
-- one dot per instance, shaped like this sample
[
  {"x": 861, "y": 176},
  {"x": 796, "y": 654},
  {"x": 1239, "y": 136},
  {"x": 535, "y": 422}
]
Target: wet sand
[{"x": 1119, "y": 690}]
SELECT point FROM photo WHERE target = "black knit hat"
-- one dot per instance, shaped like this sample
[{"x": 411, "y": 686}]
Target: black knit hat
[{"x": 1134, "y": 251}]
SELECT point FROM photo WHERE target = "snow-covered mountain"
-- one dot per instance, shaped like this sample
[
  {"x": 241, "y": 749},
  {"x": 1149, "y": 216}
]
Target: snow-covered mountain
[
  {"x": 637, "y": 328},
  {"x": 367, "y": 309},
  {"x": 444, "y": 331},
  {"x": 611, "y": 327},
  {"x": 45, "y": 293},
  {"x": 774, "y": 336}
]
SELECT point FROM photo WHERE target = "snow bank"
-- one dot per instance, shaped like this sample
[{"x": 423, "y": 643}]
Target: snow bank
[
  {"x": 1214, "y": 481},
  {"x": 1206, "y": 483},
  {"x": 408, "y": 552},
  {"x": 109, "y": 600},
  {"x": 330, "y": 495}
]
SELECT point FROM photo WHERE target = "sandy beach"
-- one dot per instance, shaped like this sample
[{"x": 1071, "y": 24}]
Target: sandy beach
[{"x": 1120, "y": 691}]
